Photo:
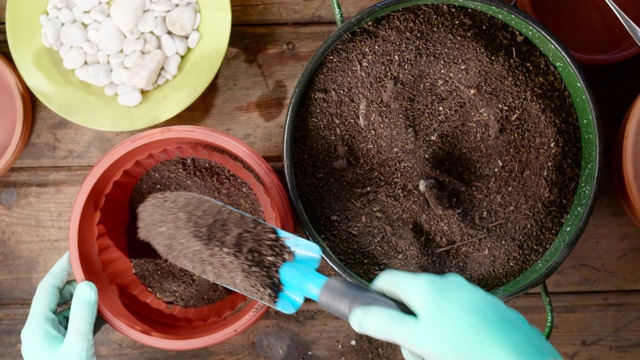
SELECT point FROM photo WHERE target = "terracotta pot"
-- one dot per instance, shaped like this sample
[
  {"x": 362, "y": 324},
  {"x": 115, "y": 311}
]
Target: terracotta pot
[
  {"x": 15, "y": 115},
  {"x": 98, "y": 243},
  {"x": 589, "y": 28},
  {"x": 626, "y": 162}
]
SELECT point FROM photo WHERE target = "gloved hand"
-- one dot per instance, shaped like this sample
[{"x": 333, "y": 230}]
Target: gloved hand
[
  {"x": 66, "y": 334},
  {"x": 455, "y": 319}
]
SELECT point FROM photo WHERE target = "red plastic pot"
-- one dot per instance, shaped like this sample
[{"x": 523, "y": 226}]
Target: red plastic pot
[
  {"x": 98, "y": 243},
  {"x": 15, "y": 115},
  {"x": 626, "y": 163},
  {"x": 588, "y": 28}
]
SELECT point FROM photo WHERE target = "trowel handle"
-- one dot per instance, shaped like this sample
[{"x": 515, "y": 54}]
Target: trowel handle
[{"x": 339, "y": 297}]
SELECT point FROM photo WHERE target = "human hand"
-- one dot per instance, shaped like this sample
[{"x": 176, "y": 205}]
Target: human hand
[
  {"x": 66, "y": 334},
  {"x": 455, "y": 319}
]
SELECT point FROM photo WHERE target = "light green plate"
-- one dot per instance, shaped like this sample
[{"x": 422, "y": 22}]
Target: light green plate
[{"x": 87, "y": 105}]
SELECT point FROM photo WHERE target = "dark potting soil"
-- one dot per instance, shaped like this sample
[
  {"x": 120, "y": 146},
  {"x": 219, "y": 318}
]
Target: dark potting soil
[
  {"x": 168, "y": 282},
  {"x": 437, "y": 139}
]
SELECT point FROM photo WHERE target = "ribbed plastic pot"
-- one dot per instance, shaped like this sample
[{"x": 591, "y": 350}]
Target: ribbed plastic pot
[
  {"x": 98, "y": 243},
  {"x": 15, "y": 115},
  {"x": 583, "y": 100},
  {"x": 626, "y": 162}
]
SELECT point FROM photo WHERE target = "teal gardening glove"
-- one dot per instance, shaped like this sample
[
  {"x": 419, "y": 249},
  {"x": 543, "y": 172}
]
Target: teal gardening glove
[
  {"x": 66, "y": 334},
  {"x": 454, "y": 320}
]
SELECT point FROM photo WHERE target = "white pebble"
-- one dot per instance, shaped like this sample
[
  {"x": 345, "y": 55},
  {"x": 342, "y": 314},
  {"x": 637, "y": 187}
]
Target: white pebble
[
  {"x": 90, "y": 48},
  {"x": 168, "y": 46},
  {"x": 44, "y": 19},
  {"x": 180, "y": 21},
  {"x": 150, "y": 43},
  {"x": 92, "y": 59},
  {"x": 198, "y": 19},
  {"x": 103, "y": 57},
  {"x": 162, "y": 5},
  {"x": 166, "y": 74},
  {"x": 94, "y": 36},
  {"x": 147, "y": 22},
  {"x": 63, "y": 50},
  {"x": 146, "y": 68},
  {"x": 161, "y": 80},
  {"x": 110, "y": 89},
  {"x": 131, "y": 99},
  {"x": 99, "y": 13},
  {"x": 46, "y": 42},
  {"x": 131, "y": 59},
  {"x": 117, "y": 58},
  {"x": 172, "y": 63},
  {"x": 118, "y": 75},
  {"x": 126, "y": 14},
  {"x": 66, "y": 16},
  {"x": 181, "y": 44},
  {"x": 128, "y": 45},
  {"x": 160, "y": 27},
  {"x": 73, "y": 34},
  {"x": 77, "y": 13},
  {"x": 52, "y": 31},
  {"x": 87, "y": 19},
  {"x": 86, "y": 5},
  {"x": 124, "y": 88},
  {"x": 54, "y": 13},
  {"x": 193, "y": 40},
  {"x": 111, "y": 37},
  {"x": 73, "y": 59},
  {"x": 97, "y": 74},
  {"x": 139, "y": 44}
]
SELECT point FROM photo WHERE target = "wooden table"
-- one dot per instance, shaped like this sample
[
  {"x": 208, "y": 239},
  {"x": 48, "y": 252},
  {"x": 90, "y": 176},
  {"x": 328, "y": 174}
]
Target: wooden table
[{"x": 596, "y": 292}]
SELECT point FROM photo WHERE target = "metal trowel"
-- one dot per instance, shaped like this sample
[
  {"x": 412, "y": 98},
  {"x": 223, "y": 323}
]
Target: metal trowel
[{"x": 247, "y": 255}]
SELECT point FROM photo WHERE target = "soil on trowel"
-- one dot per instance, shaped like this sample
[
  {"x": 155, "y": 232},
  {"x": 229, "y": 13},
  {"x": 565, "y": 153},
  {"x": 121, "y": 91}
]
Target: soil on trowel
[
  {"x": 168, "y": 282},
  {"x": 437, "y": 139}
]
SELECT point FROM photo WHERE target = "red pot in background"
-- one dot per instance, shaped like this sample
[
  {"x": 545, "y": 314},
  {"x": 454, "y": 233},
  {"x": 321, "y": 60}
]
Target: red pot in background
[
  {"x": 98, "y": 242},
  {"x": 626, "y": 163},
  {"x": 588, "y": 28},
  {"x": 15, "y": 115}
]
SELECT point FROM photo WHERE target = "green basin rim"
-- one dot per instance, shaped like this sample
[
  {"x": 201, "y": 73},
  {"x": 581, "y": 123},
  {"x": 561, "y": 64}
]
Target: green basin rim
[{"x": 575, "y": 82}]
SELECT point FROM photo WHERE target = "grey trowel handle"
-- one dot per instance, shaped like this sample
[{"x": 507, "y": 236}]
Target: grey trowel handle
[{"x": 339, "y": 296}]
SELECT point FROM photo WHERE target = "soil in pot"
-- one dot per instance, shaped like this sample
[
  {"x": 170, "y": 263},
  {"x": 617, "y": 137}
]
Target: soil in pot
[
  {"x": 172, "y": 284},
  {"x": 437, "y": 138}
]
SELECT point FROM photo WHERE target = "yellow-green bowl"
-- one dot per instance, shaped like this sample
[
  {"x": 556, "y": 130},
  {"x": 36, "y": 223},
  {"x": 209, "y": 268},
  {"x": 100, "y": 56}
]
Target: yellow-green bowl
[{"x": 87, "y": 105}]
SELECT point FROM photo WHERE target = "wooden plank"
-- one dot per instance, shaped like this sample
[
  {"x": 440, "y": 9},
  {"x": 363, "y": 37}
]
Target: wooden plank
[
  {"x": 248, "y": 99},
  {"x": 588, "y": 326},
  {"x": 33, "y": 231}
]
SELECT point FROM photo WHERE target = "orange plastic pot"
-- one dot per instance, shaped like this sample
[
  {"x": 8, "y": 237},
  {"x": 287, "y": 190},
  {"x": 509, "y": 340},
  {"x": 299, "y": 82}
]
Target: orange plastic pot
[
  {"x": 626, "y": 162},
  {"x": 15, "y": 115},
  {"x": 98, "y": 243},
  {"x": 588, "y": 28}
]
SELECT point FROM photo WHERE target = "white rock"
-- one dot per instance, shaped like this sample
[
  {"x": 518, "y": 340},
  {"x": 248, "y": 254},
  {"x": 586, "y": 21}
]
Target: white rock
[
  {"x": 93, "y": 26},
  {"x": 100, "y": 12},
  {"x": 147, "y": 4},
  {"x": 160, "y": 27},
  {"x": 131, "y": 59},
  {"x": 172, "y": 63},
  {"x": 166, "y": 74},
  {"x": 86, "y": 5},
  {"x": 44, "y": 19},
  {"x": 93, "y": 35},
  {"x": 97, "y": 74},
  {"x": 92, "y": 59},
  {"x": 90, "y": 48},
  {"x": 146, "y": 68},
  {"x": 161, "y": 80},
  {"x": 110, "y": 89},
  {"x": 63, "y": 3},
  {"x": 54, "y": 13},
  {"x": 181, "y": 20},
  {"x": 128, "y": 45},
  {"x": 162, "y": 5},
  {"x": 147, "y": 22},
  {"x": 111, "y": 37},
  {"x": 77, "y": 13},
  {"x": 118, "y": 75},
  {"x": 73, "y": 59},
  {"x": 124, "y": 88},
  {"x": 131, "y": 98},
  {"x": 181, "y": 44},
  {"x": 139, "y": 44},
  {"x": 103, "y": 57},
  {"x": 73, "y": 34},
  {"x": 150, "y": 43},
  {"x": 126, "y": 14},
  {"x": 87, "y": 19},
  {"x": 117, "y": 58},
  {"x": 66, "y": 16},
  {"x": 193, "y": 40},
  {"x": 63, "y": 50},
  {"x": 168, "y": 46},
  {"x": 198, "y": 20},
  {"x": 52, "y": 31},
  {"x": 46, "y": 42}
]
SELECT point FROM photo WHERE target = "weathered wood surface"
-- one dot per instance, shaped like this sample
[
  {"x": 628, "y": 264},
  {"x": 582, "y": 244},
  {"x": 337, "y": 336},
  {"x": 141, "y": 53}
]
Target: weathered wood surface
[{"x": 596, "y": 291}]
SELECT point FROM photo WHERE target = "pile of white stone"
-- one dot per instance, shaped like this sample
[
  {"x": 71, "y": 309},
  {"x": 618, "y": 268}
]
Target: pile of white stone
[{"x": 128, "y": 47}]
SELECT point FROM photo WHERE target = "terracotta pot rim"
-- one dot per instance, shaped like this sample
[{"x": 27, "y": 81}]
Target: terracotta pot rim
[
  {"x": 23, "y": 117},
  {"x": 280, "y": 212},
  {"x": 626, "y": 162}
]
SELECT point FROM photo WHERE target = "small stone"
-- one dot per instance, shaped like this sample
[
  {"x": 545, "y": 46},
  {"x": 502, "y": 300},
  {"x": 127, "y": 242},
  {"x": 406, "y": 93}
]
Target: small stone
[
  {"x": 146, "y": 68},
  {"x": 181, "y": 20},
  {"x": 162, "y": 5},
  {"x": 90, "y": 48},
  {"x": 110, "y": 89},
  {"x": 168, "y": 46},
  {"x": 160, "y": 27},
  {"x": 131, "y": 59},
  {"x": 52, "y": 31},
  {"x": 172, "y": 63},
  {"x": 73, "y": 34},
  {"x": 181, "y": 44},
  {"x": 117, "y": 58},
  {"x": 147, "y": 22},
  {"x": 86, "y": 5},
  {"x": 98, "y": 74},
  {"x": 193, "y": 40},
  {"x": 111, "y": 37},
  {"x": 73, "y": 59},
  {"x": 66, "y": 16},
  {"x": 131, "y": 98},
  {"x": 126, "y": 15},
  {"x": 150, "y": 43}
]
